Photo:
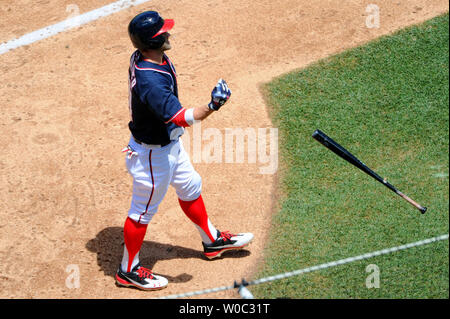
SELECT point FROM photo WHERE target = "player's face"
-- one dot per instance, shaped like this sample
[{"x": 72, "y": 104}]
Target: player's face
[{"x": 166, "y": 46}]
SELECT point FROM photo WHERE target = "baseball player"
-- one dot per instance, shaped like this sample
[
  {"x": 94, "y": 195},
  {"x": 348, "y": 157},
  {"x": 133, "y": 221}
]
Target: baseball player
[{"x": 155, "y": 156}]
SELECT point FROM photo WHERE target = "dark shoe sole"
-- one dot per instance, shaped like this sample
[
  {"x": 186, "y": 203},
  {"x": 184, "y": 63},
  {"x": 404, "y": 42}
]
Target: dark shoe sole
[{"x": 218, "y": 253}]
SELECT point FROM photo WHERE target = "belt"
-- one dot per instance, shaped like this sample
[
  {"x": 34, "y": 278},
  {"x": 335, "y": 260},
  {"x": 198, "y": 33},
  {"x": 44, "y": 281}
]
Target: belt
[{"x": 150, "y": 145}]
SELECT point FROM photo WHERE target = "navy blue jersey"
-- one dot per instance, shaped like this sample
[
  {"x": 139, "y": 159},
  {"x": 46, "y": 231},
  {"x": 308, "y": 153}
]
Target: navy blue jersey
[{"x": 153, "y": 100}]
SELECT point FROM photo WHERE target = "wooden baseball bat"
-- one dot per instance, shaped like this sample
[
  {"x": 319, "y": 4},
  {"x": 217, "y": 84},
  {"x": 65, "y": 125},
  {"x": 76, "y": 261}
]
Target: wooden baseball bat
[{"x": 333, "y": 146}]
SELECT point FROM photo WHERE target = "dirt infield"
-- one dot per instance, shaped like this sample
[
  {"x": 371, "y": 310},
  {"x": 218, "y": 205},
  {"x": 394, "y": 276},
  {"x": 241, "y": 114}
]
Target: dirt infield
[{"x": 64, "y": 188}]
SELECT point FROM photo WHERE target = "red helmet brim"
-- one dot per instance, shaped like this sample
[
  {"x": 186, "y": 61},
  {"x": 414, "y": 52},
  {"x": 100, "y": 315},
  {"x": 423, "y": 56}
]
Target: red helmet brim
[{"x": 168, "y": 25}]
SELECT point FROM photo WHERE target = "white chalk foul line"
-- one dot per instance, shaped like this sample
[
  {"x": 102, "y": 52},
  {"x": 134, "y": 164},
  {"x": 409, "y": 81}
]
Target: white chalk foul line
[{"x": 68, "y": 24}]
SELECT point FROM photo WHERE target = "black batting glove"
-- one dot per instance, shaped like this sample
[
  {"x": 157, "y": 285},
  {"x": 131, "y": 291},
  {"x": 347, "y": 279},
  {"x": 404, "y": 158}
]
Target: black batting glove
[{"x": 219, "y": 95}]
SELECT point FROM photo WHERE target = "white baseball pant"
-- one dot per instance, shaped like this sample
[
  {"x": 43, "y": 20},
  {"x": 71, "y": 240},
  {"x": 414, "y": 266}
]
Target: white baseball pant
[{"x": 153, "y": 169}]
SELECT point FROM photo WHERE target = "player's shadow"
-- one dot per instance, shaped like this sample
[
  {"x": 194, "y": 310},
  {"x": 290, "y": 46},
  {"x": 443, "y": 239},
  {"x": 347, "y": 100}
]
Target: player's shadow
[{"x": 108, "y": 245}]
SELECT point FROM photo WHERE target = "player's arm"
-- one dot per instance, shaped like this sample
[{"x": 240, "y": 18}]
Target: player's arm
[
  {"x": 200, "y": 113},
  {"x": 193, "y": 115},
  {"x": 169, "y": 109},
  {"x": 187, "y": 117}
]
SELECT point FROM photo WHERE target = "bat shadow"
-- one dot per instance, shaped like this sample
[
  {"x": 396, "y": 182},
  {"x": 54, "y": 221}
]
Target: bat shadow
[{"x": 108, "y": 245}]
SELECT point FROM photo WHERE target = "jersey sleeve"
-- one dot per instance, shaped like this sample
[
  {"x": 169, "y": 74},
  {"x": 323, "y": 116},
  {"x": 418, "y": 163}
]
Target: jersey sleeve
[
  {"x": 159, "y": 97},
  {"x": 163, "y": 103}
]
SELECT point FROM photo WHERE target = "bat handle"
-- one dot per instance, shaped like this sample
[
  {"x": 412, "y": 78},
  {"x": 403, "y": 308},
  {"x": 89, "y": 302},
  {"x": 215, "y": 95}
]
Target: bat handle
[{"x": 412, "y": 202}]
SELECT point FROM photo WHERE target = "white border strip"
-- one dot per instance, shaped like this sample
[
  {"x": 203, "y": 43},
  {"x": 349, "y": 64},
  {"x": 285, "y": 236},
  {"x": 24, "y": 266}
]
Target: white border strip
[
  {"x": 314, "y": 268},
  {"x": 68, "y": 24}
]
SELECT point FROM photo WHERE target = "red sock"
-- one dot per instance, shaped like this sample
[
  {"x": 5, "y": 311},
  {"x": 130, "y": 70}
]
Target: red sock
[
  {"x": 195, "y": 210},
  {"x": 133, "y": 234}
]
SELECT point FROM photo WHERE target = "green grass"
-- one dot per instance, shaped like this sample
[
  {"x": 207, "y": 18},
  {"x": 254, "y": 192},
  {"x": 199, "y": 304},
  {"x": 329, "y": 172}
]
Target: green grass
[{"x": 387, "y": 103}]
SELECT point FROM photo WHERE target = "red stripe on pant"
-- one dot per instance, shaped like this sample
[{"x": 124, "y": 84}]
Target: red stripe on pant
[{"x": 153, "y": 186}]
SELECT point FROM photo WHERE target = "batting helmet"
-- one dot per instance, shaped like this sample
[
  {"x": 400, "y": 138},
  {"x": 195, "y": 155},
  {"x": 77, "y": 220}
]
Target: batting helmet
[{"x": 146, "y": 30}]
